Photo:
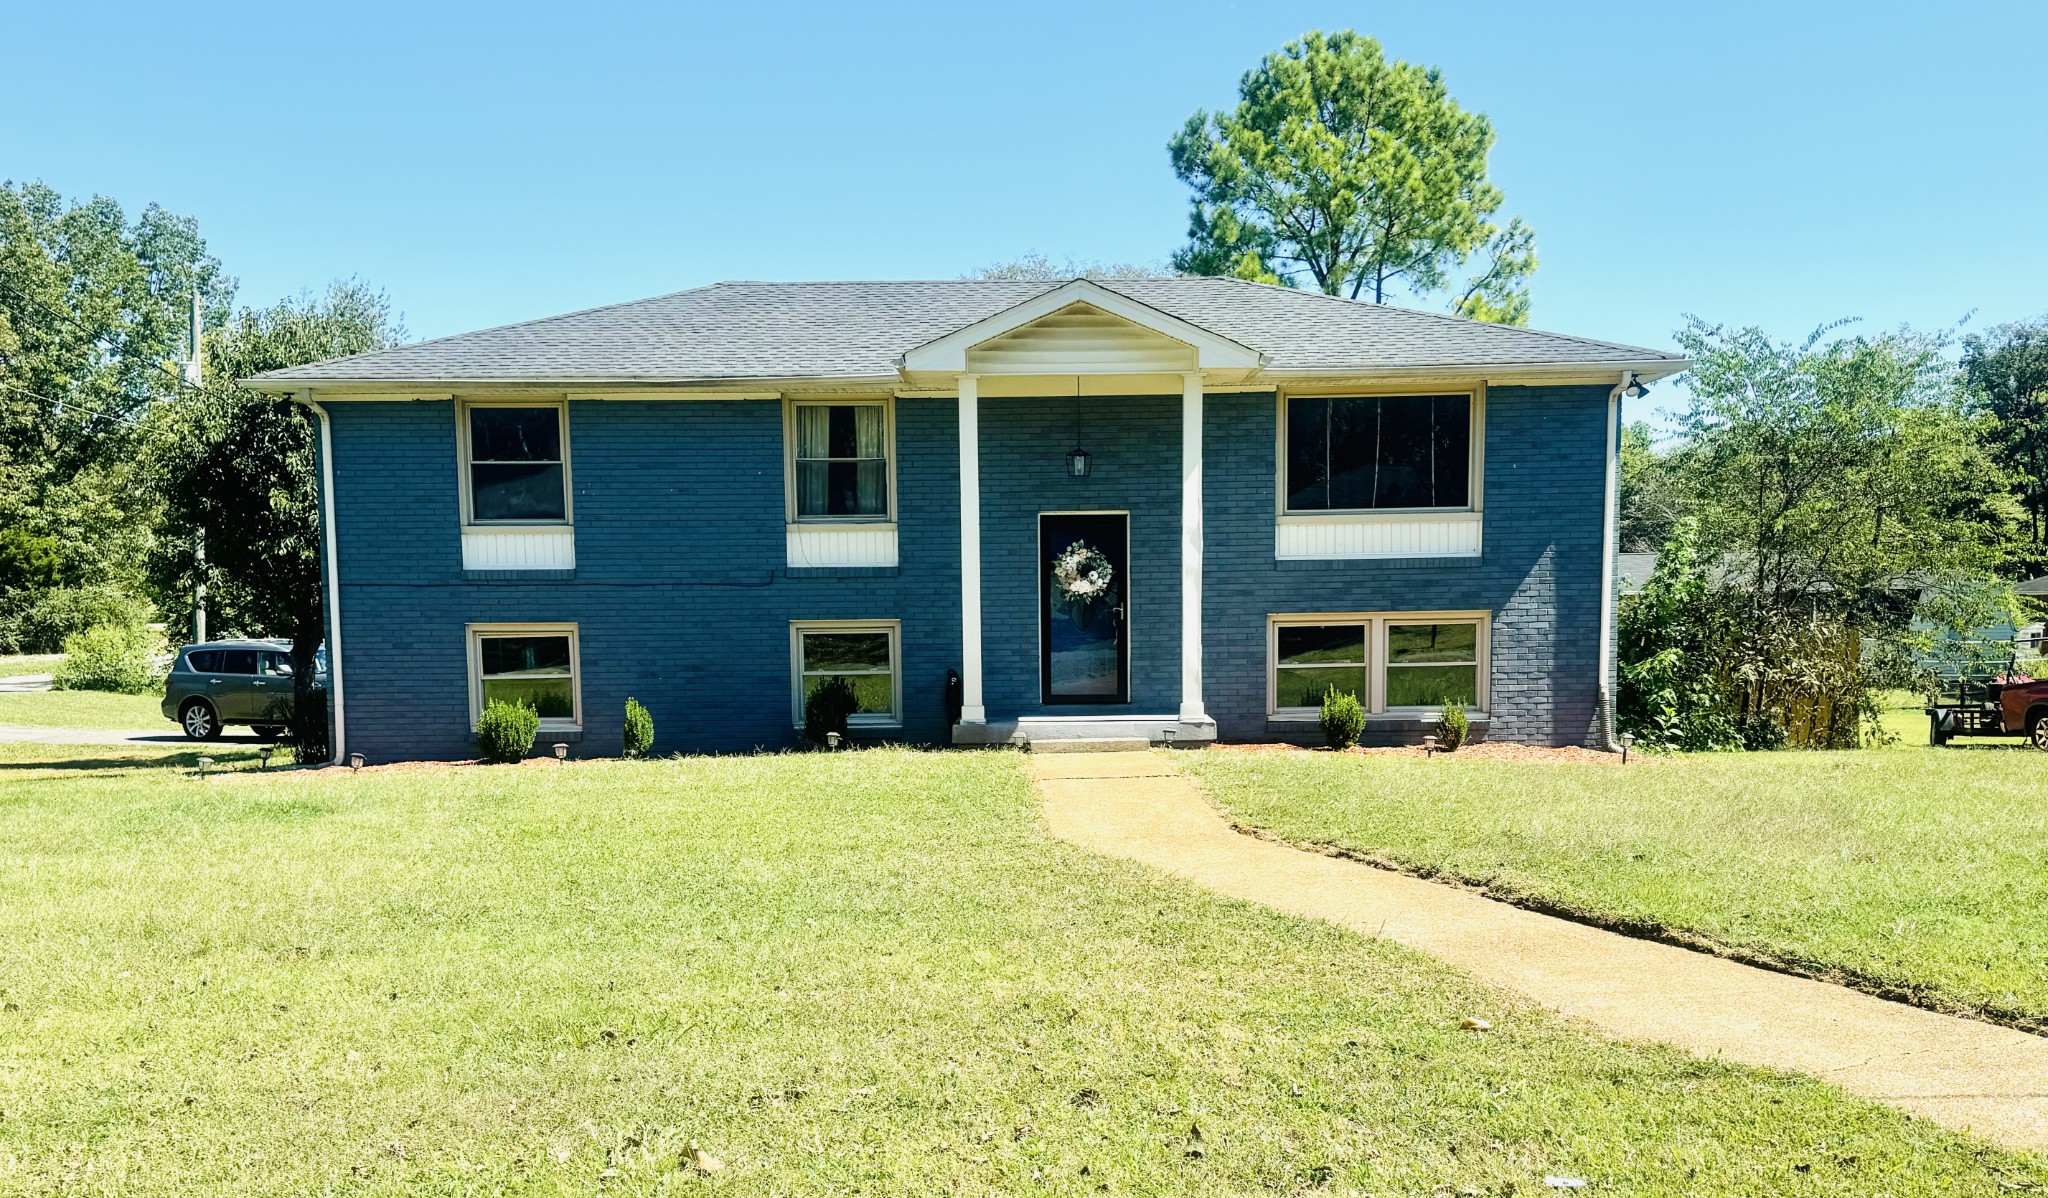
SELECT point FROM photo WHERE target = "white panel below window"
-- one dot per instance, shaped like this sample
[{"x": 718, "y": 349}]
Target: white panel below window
[
  {"x": 519, "y": 549},
  {"x": 815, "y": 546},
  {"x": 1311, "y": 538}
]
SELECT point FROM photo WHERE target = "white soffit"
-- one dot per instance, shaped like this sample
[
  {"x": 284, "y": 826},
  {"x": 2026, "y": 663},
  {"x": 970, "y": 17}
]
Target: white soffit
[{"x": 1086, "y": 330}]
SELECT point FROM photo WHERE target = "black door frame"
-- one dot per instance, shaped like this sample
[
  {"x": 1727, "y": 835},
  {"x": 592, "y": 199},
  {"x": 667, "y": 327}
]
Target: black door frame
[{"x": 1044, "y": 578}]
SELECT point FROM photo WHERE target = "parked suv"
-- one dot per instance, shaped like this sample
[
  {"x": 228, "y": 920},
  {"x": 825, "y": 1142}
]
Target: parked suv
[{"x": 232, "y": 682}]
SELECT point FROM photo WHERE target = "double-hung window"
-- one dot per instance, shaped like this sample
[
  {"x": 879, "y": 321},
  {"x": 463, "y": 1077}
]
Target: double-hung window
[
  {"x": 1429, "y": 665},
  {"x": 516, "y": 468},
  {"x": 839, "y": 466},
  {"x": 1392, "y": 662},
  {"x": 1365, "y": 453},
  {"x": 530, "y": 664},
  {"x": 862, "y": 656}
]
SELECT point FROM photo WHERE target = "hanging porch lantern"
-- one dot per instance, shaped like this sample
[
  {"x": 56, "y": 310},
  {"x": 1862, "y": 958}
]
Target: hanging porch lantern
[{"x": 1079, "y": 461}]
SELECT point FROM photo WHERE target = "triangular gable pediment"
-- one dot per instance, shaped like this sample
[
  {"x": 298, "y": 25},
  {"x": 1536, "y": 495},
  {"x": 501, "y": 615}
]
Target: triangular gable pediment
[{"x": 1080, "y": 327}]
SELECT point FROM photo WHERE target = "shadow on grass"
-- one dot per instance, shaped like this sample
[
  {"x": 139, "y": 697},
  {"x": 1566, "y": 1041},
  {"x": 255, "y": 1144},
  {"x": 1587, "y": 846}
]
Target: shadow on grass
[{"x": 182, "y": 760}]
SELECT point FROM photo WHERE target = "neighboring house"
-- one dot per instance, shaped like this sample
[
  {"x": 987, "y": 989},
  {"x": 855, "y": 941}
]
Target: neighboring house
[{"x": 715, "y": 500}]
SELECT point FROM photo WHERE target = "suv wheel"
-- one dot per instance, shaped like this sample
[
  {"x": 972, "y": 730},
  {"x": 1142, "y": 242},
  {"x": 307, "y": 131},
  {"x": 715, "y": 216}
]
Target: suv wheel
[{"x": 199, "y": 721}]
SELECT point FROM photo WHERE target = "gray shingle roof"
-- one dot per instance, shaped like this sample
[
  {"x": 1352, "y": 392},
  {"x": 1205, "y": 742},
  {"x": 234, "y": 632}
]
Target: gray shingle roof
[{"x": 753, "y": 330}]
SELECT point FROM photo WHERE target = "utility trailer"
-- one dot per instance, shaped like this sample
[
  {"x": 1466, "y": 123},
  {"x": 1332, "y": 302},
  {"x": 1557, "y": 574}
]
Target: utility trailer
[{"x": 1980, "y": 691}]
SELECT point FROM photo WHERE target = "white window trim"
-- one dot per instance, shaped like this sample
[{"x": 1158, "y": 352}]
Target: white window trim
[
  {"x": 1376, "y": 658},
  {"x": 463, "y": 458},
  {"x": 1475, "y": 480},
  {"x": 475, "y": 634},
  {"x": 789, "y": 406},
  {"x": 894, "y": 629}
]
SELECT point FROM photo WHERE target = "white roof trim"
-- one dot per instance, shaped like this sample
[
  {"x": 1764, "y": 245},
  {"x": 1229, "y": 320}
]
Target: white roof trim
[{"x": 948, "y": 354}]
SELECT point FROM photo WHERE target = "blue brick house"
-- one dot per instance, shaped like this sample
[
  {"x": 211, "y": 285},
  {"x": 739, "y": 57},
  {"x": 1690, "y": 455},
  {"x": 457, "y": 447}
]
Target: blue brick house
[{"x": 993, "y": 511}]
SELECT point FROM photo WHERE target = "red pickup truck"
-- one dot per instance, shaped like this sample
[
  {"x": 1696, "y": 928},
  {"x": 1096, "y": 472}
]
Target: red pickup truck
[{"x": 2002, "y": 705}]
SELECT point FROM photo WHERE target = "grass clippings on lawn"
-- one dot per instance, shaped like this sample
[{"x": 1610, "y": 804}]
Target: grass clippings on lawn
[
  {"x": 1916, "y": 874},
  {"x": 867, "y": 971}
]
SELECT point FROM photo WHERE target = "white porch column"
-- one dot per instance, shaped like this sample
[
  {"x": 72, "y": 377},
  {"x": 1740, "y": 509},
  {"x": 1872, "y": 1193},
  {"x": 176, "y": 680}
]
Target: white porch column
[
  {"x": 971, "y": 709},
  {"x": 1191, "y": 546}
]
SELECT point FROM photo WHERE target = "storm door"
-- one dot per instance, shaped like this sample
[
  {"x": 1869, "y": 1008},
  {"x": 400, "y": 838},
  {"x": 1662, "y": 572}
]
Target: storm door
[{"x": 1084, "y": 589}]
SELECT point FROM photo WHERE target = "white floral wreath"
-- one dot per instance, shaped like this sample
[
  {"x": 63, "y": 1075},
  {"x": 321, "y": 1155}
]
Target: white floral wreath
[{"x": 1082, "y": 572}]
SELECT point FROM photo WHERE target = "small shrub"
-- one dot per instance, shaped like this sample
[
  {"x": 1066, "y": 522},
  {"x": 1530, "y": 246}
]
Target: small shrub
[
  {"x": 41, "y": 621},
  {"x": 1452, "y": 726},
  {"x": 639, "y": 729},
  {"x": 827, "y": 709},
  {"x": 1343, "y": 718},
  {"x": 110, "y": 657},
  {"x": 505, "y": 731}
]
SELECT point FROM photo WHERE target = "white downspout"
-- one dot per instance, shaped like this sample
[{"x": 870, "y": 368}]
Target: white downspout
[
  {"x": 1609, "y": 538},
  {"x": 333, "y": 573}
]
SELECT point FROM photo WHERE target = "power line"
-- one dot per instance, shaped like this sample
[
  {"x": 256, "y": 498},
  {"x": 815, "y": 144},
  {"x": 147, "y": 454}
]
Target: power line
[
  {"x": 73, "y": 321},
  {"x": 89, "y": 409}
]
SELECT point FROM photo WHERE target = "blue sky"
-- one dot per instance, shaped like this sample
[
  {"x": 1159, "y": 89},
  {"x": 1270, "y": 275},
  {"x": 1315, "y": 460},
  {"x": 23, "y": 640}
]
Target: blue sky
[{"x": 1781, "y": 164}]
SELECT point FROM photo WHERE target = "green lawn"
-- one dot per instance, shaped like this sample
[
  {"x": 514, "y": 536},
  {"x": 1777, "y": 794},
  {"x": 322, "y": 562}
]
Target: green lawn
[
  {"x": 871, "y": 972},
  {"x": 1916, "y": 869},
  {"x": 84, "y": 709},
  {"x": 32, "y": 663}
]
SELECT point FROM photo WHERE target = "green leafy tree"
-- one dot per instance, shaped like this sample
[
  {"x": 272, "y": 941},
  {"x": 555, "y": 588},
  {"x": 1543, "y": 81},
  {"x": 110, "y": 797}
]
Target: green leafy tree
[
  {"x": 2007, "y": 369},
  {"x": 1651, "y": 498},
  {"x": 1829, "y": 476},
  {"x": 1038, "y": 267},
  {"x": 92, "y": 307},
  {"x": 240, "y": 465},
  {"x": 1669, "y": 650},
  {"x": 1357, "y": 175}
]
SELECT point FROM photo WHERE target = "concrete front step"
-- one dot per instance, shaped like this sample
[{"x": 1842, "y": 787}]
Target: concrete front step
[
  {"x": 1119, "y": 732},
  {"x": 1090, "y": 744}
]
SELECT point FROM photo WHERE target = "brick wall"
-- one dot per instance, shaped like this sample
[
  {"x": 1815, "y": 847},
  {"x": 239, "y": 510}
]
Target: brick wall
[
  {"x": 682, "y": 598},
  {"x": 680, "y": 593},
  {"x": 1136, "y": 469},
  {"x": 1538, "y": 573}
]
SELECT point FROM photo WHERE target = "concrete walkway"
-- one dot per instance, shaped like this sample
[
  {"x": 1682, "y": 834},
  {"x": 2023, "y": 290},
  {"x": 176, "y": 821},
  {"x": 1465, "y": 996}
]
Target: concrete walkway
[
  {"x": 21, "y": 684},
  {"x": 1971, "y": 1076}
]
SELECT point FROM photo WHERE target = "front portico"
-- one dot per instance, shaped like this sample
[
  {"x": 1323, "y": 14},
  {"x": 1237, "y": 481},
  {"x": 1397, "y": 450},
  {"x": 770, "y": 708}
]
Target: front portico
[{"x": 1132, "y": 373}]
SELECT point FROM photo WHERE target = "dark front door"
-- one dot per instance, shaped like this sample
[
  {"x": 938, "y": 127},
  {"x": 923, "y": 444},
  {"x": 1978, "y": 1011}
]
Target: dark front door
[{"x": 1084, "y": 592}]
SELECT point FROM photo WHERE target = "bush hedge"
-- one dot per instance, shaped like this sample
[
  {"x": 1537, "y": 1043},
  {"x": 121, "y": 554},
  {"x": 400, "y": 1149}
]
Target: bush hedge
[
  {"x": 110, "y": 657},
  {"x": 639, "y": 729},
  {"x": 505, "y": 731},
  {"x": 1343, "y": 718},
  {"x": 1452, "y": 726}
]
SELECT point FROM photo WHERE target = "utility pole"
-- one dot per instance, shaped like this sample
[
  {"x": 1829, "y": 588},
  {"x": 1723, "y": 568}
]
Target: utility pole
[{"x": 192, "y": 374}]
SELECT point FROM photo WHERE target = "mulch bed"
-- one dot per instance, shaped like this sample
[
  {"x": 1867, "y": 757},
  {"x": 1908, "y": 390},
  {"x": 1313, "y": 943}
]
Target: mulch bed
[{"x": 1481, "y": 751}]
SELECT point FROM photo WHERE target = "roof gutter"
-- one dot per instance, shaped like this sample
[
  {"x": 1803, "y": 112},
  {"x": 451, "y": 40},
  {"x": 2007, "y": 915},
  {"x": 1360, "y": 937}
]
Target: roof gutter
[
  {"x": 332, "y": 572},
  {"x": 1610, "y": 537}
]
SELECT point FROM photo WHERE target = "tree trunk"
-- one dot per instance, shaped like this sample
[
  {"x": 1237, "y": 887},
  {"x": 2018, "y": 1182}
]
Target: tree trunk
[{"x": 309, "y": 704}]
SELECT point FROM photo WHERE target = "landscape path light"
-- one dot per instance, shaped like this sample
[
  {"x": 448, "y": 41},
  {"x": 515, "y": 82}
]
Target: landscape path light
[
  {"x": 561, "y": 752},
  {"x": 1429, "y": 746},
  {"x": 355, "y": 762},
  {"x": 1627, "y": 739},
  {"x": 263, "y": 756}
]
